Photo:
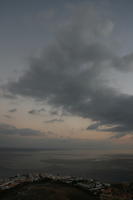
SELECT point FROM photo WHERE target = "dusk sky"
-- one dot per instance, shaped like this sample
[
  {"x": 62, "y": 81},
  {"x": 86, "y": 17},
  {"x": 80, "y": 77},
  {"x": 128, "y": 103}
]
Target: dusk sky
[{"x": 66, "y": 73}]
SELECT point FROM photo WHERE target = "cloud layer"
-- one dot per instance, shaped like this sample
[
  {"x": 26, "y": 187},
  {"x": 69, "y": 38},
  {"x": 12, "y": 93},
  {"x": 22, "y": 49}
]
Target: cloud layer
[
  {"x": 6, "y": 129},
  {"x": 69, "y": 73}
]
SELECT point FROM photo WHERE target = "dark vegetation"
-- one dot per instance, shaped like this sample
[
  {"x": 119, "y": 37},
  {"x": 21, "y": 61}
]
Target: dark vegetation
[{"x": 46, "y": 191}]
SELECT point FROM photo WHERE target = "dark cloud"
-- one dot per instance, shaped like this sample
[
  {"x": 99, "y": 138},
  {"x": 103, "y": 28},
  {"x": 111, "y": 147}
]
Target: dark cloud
[
  {"x": 6, "y": 95},
  {"x": 58, "y": 112},
  {"x": 7, "y": 116},
  {"x": 54, "y": 112},
  {"x": 12, "y": 110},
  {"x": 32, "y": 112},
  {"x": 36, "y": 112},
  {"x": 69, "y": 73},
  {"x": 94, "y": 126},
  {"x": 54, "y": 120},
  {"x": 41, "y": 110},
  {"x": 6, "y": 129}
]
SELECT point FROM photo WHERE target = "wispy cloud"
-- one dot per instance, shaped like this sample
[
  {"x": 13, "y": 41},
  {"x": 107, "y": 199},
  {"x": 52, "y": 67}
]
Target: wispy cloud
[
  {"x": 7, "y": 116},
  {"x": 54, "y": 120},
  {"x": 12, "y": 110},
  {"x": 36, "y": 112}
]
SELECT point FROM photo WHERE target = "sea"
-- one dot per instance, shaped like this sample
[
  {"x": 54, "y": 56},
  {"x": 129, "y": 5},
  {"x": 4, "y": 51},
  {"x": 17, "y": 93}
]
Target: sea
[{"x": 105, "y": 166}]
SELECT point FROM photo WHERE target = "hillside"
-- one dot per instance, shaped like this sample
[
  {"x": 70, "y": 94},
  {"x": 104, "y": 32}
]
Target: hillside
[{"x": 48, "y": 191}]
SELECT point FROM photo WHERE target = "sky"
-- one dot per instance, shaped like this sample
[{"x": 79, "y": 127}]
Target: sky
[{"x": 66, "y": 71}]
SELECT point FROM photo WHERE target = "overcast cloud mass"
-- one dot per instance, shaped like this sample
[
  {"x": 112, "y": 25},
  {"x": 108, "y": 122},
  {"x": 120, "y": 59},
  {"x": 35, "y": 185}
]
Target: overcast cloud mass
[{"x": 69, "y": 73}]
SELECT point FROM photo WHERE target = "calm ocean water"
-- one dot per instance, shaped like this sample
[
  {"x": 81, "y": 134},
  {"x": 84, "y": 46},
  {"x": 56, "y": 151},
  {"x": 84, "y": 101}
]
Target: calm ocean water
[{"x": 101, "y": 165}]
